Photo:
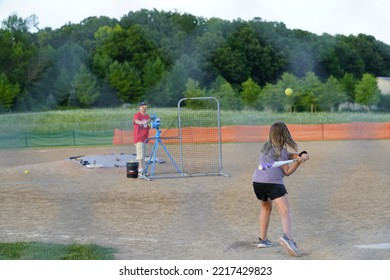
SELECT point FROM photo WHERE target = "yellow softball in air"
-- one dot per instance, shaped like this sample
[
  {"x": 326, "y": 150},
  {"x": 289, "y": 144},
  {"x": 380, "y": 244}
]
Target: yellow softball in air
[
  {"x": 288, "y": 91},
  {"x": 26, "y": 171}
]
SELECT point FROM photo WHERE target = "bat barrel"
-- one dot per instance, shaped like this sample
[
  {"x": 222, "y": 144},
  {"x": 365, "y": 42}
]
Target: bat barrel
[{"x": 274, "y": 164}]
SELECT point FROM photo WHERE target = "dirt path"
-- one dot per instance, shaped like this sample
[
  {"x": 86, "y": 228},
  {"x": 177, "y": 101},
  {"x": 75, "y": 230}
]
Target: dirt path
[{"x": 339, "y": 199}]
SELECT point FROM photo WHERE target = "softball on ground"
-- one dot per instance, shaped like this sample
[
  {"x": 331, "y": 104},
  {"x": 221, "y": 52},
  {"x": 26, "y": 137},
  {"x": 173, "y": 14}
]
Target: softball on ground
[
  {"x": 288, "y": 91},
  {"x": 26, "y": 171}
]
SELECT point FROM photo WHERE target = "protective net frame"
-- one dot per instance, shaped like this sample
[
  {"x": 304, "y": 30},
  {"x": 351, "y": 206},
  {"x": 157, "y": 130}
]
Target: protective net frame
[
  {"x": 200, "y": 136},
  {"x": 196, "y": 150}
]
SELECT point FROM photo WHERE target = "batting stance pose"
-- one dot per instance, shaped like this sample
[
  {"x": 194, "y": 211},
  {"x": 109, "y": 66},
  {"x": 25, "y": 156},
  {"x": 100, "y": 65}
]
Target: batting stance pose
[{"x": 269, "y": 186}]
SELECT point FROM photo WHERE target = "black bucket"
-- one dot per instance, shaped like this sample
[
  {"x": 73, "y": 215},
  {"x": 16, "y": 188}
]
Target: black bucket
[{"x": 132, "y": 169}]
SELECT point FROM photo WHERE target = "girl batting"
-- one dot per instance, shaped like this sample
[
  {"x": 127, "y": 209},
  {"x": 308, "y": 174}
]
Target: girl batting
[{"x": 269, "y": 185}]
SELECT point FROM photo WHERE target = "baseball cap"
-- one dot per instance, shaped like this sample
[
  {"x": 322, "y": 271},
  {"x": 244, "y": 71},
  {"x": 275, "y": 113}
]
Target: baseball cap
[{"x": 142, "y": 103}]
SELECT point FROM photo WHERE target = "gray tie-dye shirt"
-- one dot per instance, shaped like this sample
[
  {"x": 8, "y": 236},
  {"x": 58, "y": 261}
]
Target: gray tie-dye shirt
[{"x": 272, "y": 175}]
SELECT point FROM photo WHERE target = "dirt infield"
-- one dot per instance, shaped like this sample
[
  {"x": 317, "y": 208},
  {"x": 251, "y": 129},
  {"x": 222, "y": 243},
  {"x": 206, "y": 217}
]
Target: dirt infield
[{"x": 339, "y": 199}]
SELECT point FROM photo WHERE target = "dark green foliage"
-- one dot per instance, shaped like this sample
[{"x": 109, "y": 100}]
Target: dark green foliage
[
  {"x": 384, "y": 103},
  {"x": 85, "y": 87},
  {"x": 151, "y": 54},
  {"x": 8, "y": 93}
]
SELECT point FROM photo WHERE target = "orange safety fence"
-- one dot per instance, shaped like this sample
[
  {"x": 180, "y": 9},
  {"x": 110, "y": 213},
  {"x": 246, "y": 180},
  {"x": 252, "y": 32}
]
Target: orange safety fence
[{"x": 255, "y": 133}]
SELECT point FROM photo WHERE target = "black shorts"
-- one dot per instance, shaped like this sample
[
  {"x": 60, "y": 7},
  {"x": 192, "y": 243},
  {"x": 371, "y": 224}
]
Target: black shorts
[{"x": 264, "y": 191}]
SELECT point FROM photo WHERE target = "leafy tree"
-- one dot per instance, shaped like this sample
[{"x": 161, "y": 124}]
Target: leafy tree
[
  {"x": 370, "y": 52},
  {"x": 303, "y": 51},
  {"x": 271, "y": 98},
  {"x": 231, "y": 64},
  {"x": 193, "y": 90},
  {"x": 157, "y": 25},
  {"x": 17, "y": 48},
  {"x": 131, "y": 45},
  {"x": 174, "y": 83},
  {"x": 8, "y": 93},
  {"x": 245, "y": 56},
  {"x": 348, "y": 84},
  {"x": 156, "y": 83},
  {"x": 23, "y": 103},
  {"x": 101, "y": 64},
  {"x": 250, "y": 93},
  {"x": 51, "y": 102},
  {"x": 17, "y": 24},
  {"x": 332, "y": 94},
  {"x": 288, "y": 80},
  {"x": 84, "y": 32},
  {"x": 152, "y": 54},
  {"x": 62, "y": 87},
  {"x": 343, "y": 58},
  {"x": 153, "y": 72},
  {"x": 85, "y": 86},
  {"x": 186, "y": 22},
  {"x": 228, "y": 97},
  {"x": 311, "y": 91},
  {"x": 126, "y": 80},
  {"x": 165, "y": 92},
  {"x": 138, "y": 48},
  {"x": 67, "y": 61},
  {"x": 207, "y": 44},
  {"x": 111, "y": 42},
  {"x": 367, "y": 91},
  {"x": 73, "y": 102},
  {"x": 108, "y": 96},
  {"x": 41, "y": 62}
]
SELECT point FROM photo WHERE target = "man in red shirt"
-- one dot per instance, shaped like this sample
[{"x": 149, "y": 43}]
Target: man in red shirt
[{"x": 141, "y": 133}]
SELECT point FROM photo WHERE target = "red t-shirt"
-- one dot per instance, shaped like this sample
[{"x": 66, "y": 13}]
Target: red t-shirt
[{"x": 141, "y": 132}]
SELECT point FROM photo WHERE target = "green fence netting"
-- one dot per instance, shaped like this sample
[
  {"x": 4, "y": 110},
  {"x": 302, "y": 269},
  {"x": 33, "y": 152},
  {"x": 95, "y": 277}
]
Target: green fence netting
[
  {"x": 13, "y": 140},
  {"x": 68, "y": 138}
]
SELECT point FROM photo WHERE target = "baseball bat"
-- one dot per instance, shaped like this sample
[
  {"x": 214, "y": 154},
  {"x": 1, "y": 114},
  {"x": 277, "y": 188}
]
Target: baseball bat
[{"x": 273, "y": 164}]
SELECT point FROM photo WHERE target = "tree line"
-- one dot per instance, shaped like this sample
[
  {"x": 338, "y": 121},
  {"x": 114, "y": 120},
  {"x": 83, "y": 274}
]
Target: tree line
[{"x": 163, "y": 56}]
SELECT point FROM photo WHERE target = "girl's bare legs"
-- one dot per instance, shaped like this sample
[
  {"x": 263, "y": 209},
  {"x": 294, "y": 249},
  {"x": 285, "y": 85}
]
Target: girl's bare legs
[
  {"x": 287, "y": 240},
  {"x": 283, "y": 207},
  {"x": 264, "y": 217}
]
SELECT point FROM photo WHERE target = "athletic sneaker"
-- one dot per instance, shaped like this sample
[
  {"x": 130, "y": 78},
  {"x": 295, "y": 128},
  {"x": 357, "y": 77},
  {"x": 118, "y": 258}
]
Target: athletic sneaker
[
  {"x": 290, "y": 246},
  {"x": 264, "y": 243}
]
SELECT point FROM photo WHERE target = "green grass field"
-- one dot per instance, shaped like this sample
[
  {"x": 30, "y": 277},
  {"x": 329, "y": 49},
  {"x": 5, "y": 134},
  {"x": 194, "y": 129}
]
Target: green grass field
[
  {"x": 50, "y": 251},
  {"x": 121, "y": 118}
]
